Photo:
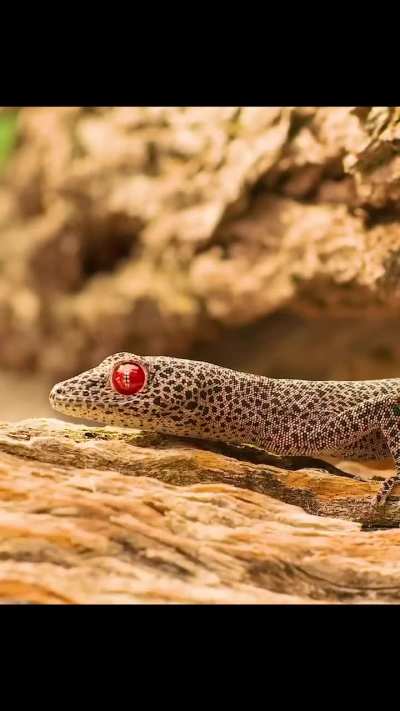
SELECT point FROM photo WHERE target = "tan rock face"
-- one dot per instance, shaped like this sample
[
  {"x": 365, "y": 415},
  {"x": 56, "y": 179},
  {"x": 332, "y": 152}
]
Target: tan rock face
[
  {"x": 155, "y": 229},
  {"x": 104, "y": 515}
]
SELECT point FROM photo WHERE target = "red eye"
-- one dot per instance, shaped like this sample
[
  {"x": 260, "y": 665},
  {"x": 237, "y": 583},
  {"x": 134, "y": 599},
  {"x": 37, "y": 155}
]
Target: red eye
[{"x": 128, "y": 378}]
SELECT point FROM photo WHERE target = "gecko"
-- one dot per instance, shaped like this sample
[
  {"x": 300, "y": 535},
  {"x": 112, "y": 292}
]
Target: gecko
[{"x": 352, "y": 419}]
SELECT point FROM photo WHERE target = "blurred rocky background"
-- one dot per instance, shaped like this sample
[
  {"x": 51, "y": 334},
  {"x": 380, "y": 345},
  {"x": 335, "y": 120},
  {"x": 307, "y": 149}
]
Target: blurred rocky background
[{"x": 264, "y": 239}]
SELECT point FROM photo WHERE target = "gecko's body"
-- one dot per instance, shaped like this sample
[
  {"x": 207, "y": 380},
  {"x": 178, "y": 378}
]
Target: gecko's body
[{"x": 354, "y": 419}]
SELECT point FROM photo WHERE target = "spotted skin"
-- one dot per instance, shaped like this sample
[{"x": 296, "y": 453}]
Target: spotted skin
[{"x": 355, "y": 419}]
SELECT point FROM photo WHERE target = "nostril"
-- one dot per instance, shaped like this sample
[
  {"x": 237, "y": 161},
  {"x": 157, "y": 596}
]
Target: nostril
[{"x": 56, "y": 391}]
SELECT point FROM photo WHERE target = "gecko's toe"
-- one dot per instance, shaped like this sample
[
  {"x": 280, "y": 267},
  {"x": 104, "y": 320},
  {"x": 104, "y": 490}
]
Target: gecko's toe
[{"x": 371, "y": 514}]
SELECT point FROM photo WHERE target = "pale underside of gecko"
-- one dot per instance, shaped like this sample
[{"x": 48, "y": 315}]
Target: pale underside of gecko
[{"x": 352, "y": 419}]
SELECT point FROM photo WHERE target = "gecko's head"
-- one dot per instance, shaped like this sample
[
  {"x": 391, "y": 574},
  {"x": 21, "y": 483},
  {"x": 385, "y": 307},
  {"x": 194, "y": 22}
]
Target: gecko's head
[{"x": 158, "y": 393}]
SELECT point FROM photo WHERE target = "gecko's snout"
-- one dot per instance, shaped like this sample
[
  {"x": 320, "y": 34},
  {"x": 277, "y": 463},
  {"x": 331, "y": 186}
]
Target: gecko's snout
[
  {"x": 57, "y": 390},
  {"x": 59, "y": 398},
  {"x": 75, "y": 396},
  {"x": 56, "y": 395}
]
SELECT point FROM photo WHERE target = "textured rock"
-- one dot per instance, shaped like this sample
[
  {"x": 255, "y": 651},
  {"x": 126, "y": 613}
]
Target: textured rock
[
  {"x": 153, "y": 229},
  {"x": 91, "y": 515}
]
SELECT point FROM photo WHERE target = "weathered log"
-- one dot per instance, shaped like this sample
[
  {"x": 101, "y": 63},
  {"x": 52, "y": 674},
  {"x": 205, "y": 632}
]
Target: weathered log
[{"x": 93, "y": 515}]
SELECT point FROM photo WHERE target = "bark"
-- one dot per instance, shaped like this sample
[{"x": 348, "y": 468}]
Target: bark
[{"x": 108, "y": 515}]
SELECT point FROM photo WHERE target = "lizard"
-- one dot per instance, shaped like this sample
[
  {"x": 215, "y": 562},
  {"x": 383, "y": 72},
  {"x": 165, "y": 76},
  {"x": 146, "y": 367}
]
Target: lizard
[{"x": 176, "y": 396}]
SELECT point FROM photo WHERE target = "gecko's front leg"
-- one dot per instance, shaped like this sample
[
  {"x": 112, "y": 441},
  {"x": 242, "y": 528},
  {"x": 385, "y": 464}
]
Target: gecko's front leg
[
  {"x": 390, "y": 427},
  {"x": 342, "y": 430}
]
